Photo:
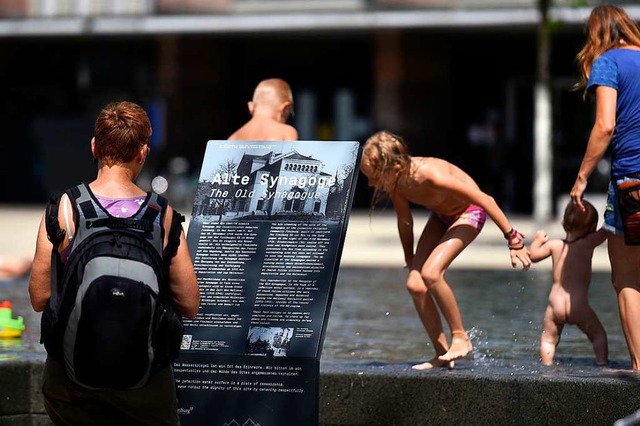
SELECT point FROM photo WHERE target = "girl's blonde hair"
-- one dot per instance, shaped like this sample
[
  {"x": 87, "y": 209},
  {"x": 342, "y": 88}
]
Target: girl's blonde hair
[
  {"x": 606, "y": 28},
  {"x": 385, "y": 153}
]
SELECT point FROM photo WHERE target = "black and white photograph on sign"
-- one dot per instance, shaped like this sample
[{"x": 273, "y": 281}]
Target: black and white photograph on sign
[
  {"x": 275, "y": 182},
  {"x": 269, "y": 341},
  {"x": 186, "y": 341}
]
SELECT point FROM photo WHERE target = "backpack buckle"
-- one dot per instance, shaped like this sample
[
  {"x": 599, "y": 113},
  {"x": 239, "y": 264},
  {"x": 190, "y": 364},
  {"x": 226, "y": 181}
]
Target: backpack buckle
[{"x": 117, "y": 240}]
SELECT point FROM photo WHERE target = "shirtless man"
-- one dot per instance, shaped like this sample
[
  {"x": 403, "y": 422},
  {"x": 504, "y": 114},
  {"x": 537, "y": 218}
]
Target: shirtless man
[
  {"x": 459, "y": 209},
  {"x": 270, "y": 108},
  {"x": 569, "y": 296}
]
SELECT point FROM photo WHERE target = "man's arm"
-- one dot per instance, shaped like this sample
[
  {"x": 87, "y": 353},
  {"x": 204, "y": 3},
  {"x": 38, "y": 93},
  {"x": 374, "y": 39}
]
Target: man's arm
[
  {"x": 182, "y": 277},
  {"x": 40, "y": 281}
]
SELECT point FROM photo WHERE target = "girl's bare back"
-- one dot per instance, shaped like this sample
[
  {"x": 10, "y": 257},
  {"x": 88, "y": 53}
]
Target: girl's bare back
[{"x": 437, "y": 185}]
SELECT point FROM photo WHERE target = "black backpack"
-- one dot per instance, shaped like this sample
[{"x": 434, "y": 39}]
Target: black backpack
[{"x": 110, "y": 319}]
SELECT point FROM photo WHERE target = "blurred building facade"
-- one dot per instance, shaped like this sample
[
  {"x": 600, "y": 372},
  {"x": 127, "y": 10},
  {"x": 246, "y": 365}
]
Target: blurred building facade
[{"x": 454, "y": 77}]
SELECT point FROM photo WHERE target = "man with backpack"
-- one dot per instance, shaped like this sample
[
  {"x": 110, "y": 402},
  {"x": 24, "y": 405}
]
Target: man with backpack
[{"x": 113, "y": 277}]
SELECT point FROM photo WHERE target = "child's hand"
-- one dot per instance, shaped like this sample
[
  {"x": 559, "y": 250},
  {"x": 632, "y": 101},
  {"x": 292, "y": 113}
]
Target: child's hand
[
  {"x": 541, "y": 237},
  {"x": 539, "y": 249},
  {"x": 517, "y": 250}
]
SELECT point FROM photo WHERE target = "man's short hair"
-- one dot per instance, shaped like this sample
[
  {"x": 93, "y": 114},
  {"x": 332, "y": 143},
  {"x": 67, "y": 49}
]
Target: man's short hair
[{"x": 121, "y": 129}]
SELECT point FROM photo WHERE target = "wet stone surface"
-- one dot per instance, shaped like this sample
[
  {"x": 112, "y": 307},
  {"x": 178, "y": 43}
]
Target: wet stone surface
[
  {"x": 373, "y": 323},
  {"x": 374, "y": 337}
]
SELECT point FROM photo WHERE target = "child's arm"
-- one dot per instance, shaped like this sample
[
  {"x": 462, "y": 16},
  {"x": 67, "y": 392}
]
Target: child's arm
[
  {"x": 539, "y": 249},
  {"x": 405, "y": 227},
  {"x": 467, "y": 188},
  {"x": 597, "y": 238}
]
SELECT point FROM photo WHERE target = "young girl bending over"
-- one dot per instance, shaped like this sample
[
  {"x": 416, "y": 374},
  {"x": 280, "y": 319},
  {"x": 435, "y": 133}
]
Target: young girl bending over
[{"x": 459, "y": 209}]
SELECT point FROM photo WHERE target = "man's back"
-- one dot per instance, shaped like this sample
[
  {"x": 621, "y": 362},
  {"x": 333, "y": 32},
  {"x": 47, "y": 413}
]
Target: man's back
[{"x": 265, "y": 129}]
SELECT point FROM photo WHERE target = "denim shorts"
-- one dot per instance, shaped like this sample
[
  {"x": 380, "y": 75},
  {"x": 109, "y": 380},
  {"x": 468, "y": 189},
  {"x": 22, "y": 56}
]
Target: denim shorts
[{"x": 612, "y": 218}]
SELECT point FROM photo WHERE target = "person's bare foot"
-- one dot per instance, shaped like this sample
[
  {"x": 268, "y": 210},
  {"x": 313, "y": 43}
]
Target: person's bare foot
[
  {"x": 460, "y": 347},
  {"x": 432, "y": 363}
]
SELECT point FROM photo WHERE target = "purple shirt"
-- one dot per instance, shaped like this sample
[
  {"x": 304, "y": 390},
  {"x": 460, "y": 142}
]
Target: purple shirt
[
  {"x": 117, "y": 207},
  {"x": 121, "y": 207}
]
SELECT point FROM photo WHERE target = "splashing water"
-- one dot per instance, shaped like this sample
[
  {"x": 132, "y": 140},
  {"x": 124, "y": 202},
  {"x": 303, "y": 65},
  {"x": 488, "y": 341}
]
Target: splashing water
[{"x": 373, "y": 320}]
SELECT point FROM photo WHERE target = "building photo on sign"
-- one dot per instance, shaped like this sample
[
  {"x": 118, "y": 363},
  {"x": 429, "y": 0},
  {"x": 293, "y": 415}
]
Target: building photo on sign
[{"x": 287, "y": 185}]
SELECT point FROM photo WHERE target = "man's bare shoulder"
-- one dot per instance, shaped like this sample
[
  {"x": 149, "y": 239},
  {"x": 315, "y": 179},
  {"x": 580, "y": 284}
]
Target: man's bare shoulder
[
  {"x": 235, "y": 137},
  {"x": 239, "y": 134},
  {"x": 265, "y": 130},
  {"x": 290, "y": 133}
]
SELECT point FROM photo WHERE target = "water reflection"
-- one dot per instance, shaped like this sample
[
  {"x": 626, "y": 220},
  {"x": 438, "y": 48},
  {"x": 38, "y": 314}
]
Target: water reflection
[
  {"x": 10, "y": 344},
  {"x": 373, "y": 320}
]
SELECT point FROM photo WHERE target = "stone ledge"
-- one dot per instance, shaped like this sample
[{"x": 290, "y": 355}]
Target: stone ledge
[
  {"x": 352, "y": 394},
  {"x": 20, "y": 390},
  {"x": 396, "y": 395}
]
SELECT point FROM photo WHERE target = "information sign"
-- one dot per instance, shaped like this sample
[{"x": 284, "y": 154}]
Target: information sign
[{"x": 266, "y": 235}]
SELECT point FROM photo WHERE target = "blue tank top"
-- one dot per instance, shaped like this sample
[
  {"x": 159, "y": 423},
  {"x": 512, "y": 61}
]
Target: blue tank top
[{"x": 620, "y": 70}]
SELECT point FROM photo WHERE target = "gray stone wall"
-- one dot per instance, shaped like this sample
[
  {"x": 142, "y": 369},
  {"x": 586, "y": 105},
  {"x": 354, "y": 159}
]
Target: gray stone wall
[{"x": 395, "y": 395}]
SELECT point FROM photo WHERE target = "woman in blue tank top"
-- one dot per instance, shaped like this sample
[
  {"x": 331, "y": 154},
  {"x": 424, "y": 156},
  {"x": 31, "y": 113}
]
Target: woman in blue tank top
[{"x": 610, "y": 69}]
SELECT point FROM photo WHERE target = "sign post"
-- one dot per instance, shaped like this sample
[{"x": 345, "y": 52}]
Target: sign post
[{"x": 266, "y": 236}]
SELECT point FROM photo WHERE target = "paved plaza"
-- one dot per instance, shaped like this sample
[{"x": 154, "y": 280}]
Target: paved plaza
[
  {"x": 372, "y": 239},
  {"x": 383, "y": 392}
]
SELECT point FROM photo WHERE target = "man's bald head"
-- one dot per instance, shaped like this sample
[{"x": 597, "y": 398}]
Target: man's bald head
[
  {"x": 270, "y": 108},
  {"x": 272, "y": 93},
  {"x": 272, "y": 98}
]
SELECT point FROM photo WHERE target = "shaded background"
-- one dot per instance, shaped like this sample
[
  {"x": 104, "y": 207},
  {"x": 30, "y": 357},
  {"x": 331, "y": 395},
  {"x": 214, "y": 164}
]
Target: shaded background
[{"x": 455, "y": 78}]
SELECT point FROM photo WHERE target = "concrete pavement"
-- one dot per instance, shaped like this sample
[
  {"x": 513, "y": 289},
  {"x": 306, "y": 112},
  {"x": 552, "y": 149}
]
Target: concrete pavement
[
  {"x": 383, "y": 394},
  {"x": 372, "y": 239}
]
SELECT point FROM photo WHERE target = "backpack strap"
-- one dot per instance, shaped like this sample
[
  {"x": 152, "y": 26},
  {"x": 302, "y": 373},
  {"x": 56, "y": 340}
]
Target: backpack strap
[
  {"x": 152, "y": 213},
  {"x": 93, "y": 218},
  {"x": 51, "y": 223},
  {"x": 86, "y": 206},
  {"x": 85, "y": 209},
  {"x": 175, "y": 231},
  {"x": 121, "y": 223},
  {"x": 55, "y": 234}
]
